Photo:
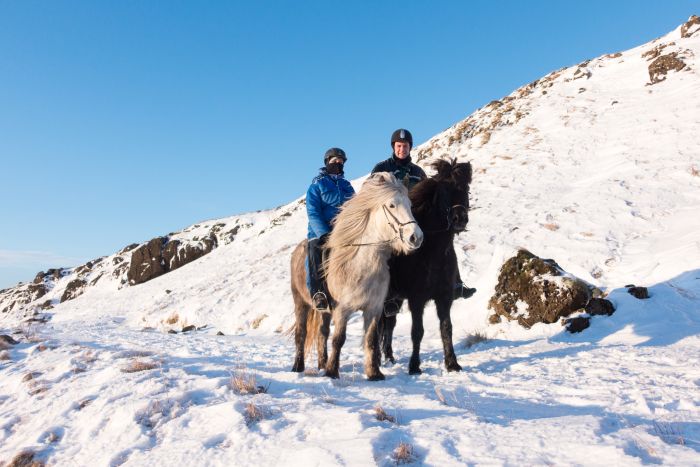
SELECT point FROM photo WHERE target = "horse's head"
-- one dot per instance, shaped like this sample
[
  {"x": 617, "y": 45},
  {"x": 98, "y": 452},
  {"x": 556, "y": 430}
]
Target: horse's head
[
  {"x": 450, "y": 198},
  {"x": 392, "y": 215}
]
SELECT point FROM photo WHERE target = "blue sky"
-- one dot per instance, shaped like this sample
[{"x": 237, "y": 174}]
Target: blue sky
[{"x": 121, "y": 121}]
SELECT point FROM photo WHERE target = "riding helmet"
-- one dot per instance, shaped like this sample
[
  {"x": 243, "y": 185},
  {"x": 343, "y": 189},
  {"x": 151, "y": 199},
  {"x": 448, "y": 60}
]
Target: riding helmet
[
  {"x": 334, "y": 152},
  {"x": 402, "y": 135}
]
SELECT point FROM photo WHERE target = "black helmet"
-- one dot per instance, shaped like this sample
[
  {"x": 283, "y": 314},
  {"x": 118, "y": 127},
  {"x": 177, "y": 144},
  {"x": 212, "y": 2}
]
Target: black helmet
[
  {"x": 334, "y": 152},
  {"x": 402, "y": 135}
]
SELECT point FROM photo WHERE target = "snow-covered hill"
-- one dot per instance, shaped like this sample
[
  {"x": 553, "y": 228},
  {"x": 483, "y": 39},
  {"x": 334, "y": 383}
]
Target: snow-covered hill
[{"x": 596, "y": 166}]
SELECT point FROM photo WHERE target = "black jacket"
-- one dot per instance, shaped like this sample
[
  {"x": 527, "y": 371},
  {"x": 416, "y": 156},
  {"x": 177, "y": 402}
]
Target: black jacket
[{"x": 403, "y": 169}]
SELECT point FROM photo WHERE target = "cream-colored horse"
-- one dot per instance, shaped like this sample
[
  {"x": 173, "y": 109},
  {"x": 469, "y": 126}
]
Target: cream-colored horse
[{"x": 369, "y": 227}]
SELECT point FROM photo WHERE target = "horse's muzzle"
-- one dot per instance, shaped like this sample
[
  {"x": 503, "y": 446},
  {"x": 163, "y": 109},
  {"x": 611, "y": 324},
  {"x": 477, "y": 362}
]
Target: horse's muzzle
[{"x": 413, "y": 240}]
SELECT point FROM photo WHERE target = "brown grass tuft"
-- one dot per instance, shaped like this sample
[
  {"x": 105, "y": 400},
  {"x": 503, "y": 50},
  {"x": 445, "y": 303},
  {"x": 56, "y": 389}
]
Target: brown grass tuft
[
  {"x": 252, "y": 413},
  {"x": 4, "y": 345},
  {"x": 403, "y": 454},
  {"x": 243, "y": 382},
  {"x": 256, "y": 322},
  {"x": 694, "y": 171},
  {"x": 4, "y": 355},
  {"x": 26, "y": 459},
  {"x": 381, "y": 415},
  {"x": 172, "y": 319},
  {"x": 473, "y": 339},
  {"x": 139, "y": 365},
  {"x": 551, "y": 226}
]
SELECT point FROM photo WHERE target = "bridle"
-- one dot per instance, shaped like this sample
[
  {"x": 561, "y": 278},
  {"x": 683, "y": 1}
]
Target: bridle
[
  {"x": 448, "y": 215},
  {"x": 396, "y": 225}
]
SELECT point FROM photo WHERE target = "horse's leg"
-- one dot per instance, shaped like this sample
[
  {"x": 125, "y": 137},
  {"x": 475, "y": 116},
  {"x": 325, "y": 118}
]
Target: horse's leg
[
  {"x": 373, "y": 357},
  {"x": 302, "y": 313},
  {"x": 333, "y": 364},
  {"x": 387, "y": 335},
  {"x": 322, "y": 343},
  {"x": 443, "y": 305},
  {"x": 416, "y": 335}
]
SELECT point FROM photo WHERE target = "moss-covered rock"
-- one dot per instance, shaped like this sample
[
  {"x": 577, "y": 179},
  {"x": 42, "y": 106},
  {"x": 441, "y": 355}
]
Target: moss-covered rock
[{"x": 535, "y": 290}]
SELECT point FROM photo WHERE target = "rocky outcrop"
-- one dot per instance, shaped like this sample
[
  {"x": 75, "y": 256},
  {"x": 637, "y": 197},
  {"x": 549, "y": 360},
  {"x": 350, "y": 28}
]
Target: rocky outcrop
[
  {"x": 691, "y": 26},
  {"x": 74, "y": 289},
  {"x": 22, "y": 295},
  {"x": 662, "y": 65},
  {"x": 161, "y": 255},
  {"x": 147, "y": 261},
  {"x": 534, "y": 290}
]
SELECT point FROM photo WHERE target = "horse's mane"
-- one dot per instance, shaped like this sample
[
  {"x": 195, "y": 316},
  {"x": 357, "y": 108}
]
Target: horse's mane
[
  {"x": 447, "y": 172},
  {"x": 351, "y": 222}
]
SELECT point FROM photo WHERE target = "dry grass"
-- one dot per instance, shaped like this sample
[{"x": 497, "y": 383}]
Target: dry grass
[
  {"x": 243, "y": 382},
  {"x": 172, "y": 319},
  {"x": 381, "y": 415},
  {"x": 256, "y": 322},
  {"x": 587, "y": 234},
  {"x": 25, "y": 459},
  {"x": 473, "y": 339},
  {"x": 136, "y": 365},
  {"x": 403, "y": 454},
  {"x": 551, "y": 226},
  {"x": 252, "y": 413},
  {"x": 669, "y": 432},
  {"x": 694, "y": 171}
]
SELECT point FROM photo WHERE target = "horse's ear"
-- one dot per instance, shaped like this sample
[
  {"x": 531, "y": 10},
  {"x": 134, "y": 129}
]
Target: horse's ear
[{"x": 443, "y": 169}]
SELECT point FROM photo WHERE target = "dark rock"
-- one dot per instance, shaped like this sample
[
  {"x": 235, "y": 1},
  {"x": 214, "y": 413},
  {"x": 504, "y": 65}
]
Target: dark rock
[
  {"x": 74, "y": 289},
  {"x": 128, "y": 248},
  {"x": 535, "y": 290},
  {"x": 39, "y": 279},
  {"x": 55, "y": 273},
  {"x": 160, "y": 256},
  {"x": 600, "y": 306},
  {"x": 219, "y": 333},
  {"x": 8, "y": 339},
  {"x": 172, "y": 331},
  {"x": 189, "y": 328},
  {"x": 639, "y": 292},
  {"x": 577, "y": 324},
  {"x": 117, "y": 259},
  {"x": 147, "y": 262},
  {"x": 168, "y": 291},
  {"x": 47, "y": 305}
]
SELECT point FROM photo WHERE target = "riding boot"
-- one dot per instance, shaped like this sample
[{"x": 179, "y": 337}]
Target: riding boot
[
  {"x": 462, "y": 291},
  {"x": 317, "y": 286}
]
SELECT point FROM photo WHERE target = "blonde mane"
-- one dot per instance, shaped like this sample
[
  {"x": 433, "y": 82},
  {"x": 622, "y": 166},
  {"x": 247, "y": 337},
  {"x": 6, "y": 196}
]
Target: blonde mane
[{"x": 351, "y": 222}]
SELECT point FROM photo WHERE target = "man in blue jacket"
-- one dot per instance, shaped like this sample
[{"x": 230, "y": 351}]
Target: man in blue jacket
[
  {"x": 404, "y": 169},
  {"x": 328, "y": 191}
]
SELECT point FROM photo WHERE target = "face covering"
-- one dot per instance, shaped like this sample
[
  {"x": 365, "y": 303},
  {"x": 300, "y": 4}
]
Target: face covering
[{"x": 335, "y": 168}]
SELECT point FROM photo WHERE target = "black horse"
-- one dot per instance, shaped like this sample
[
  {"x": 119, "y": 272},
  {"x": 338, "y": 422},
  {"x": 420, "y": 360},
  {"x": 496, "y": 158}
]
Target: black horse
[{"x": 440, "y": 205}]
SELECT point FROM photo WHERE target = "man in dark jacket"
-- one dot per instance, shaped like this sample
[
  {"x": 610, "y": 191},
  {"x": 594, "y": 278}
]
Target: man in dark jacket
[
  {"x": 328, "y": 191},
  {"x": 404, "y": 169}
]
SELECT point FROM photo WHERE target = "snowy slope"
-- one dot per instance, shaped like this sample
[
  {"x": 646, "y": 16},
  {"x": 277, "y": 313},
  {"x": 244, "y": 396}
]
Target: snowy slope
[{"x": 591, "y": 165}]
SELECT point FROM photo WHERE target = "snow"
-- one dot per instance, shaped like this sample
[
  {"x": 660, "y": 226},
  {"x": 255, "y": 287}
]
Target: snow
[{"x": 605, "y": 189}]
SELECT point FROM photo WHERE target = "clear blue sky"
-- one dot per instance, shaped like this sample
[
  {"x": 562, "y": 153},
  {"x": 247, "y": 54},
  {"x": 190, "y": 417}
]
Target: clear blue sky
[{"x": 121, "y": 121}]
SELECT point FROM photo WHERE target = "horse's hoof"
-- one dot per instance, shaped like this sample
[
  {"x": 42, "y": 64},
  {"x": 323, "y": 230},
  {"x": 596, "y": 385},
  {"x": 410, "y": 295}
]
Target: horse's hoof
[
  {"x": 391, "y": 360},
  {"x": 332, "y": 374},
  {"x": 454, "y": 367},
  {"x": 415, "y": 371},
  {"x": 298, "y": 368},
  {"x": 379, "y": 376}
]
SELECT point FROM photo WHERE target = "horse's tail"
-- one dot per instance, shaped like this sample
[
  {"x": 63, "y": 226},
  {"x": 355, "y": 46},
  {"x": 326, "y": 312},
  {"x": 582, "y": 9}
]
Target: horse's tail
[{"x": 313, "y": 326}]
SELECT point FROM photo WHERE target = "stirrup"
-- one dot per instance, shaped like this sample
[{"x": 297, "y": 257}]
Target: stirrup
[{"x": 321, "y": 302}]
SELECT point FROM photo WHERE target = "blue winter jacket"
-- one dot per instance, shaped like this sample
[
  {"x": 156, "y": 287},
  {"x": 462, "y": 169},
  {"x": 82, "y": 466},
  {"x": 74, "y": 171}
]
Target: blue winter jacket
[{"x": 323, "y": 200}]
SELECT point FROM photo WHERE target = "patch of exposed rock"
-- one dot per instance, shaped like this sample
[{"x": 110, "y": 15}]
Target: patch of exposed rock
[
  {"x": 74, "y": 289},
  {"x": 659, "y": 68},
  {"x": 534, "y": 290},
  {"x": 161, "y": 255},
  {"x": 691, "y": 26}
]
